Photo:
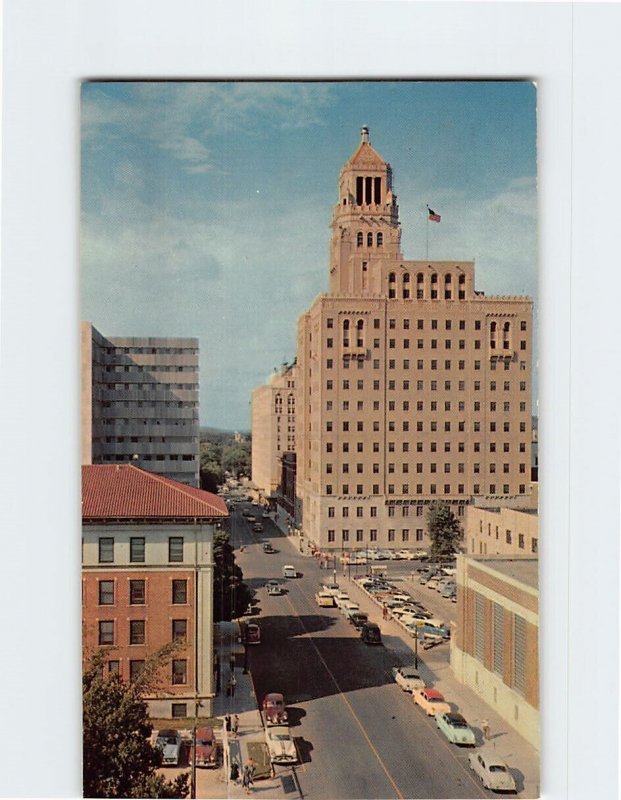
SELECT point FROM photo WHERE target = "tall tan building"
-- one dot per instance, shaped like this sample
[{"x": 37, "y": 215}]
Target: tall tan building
[
  {"x": 273, "y": 429},
  {"x": 412, "y": 385}
]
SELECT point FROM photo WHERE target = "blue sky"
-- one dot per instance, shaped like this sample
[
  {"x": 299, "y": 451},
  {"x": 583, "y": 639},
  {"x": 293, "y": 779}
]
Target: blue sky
[{"x": 206, "y": 206}]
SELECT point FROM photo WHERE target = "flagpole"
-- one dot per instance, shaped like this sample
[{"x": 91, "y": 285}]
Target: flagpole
[{"x": 427, "y": 237}]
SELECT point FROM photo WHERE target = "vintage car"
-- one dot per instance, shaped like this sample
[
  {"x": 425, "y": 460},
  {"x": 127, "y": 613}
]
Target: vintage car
[
  {"x": 370, "y": 633},
  {"x": 280, "y": 745},
  {"x": 456, "y": 729},
  {"x": 358, "y": 619},
  {"x": 492, "y": 771},
  {"x": 204, "y": 752},
  {"x": 408, "y": 678},
  {"x": 169, "y": 742},
  {"x": 267, "y": 548},
  {"x": 274, "y": 589},
  {"x": 324, "y": 599},
  {"x": 252, "y": 633},
  {"x": 257, "y": 527},
  {"x": 289, "y": 571},
  {"x": 274, "y": 712},
  {"x": 431, "y": 701}
]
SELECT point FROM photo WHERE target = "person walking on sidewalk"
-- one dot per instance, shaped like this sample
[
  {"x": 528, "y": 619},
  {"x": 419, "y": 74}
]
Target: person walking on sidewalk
[
  {"x": 235, "y": 724},
  {"x": 232, "y": 684},
  {"x": 485, "y": 729},
  {"x": 227, "y": 723}
]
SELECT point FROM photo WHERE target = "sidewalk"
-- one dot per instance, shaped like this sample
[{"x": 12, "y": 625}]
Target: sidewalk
[{"x": 435, "y": 668}]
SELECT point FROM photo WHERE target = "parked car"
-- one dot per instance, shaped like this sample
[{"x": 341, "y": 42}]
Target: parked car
[
  {"x": 370, "y": 633},
  {"x": 432, "y": 583},
  {"x": 252, "y": 633},
  {"x": 428, "y": 631},
  {"x": 448, "y": 589},
  {"x": 456, "y": 729},
  {"x": 205, "y": 751},
  {"x": 349, "y": 608},
  {"x": 330, "y": 588},
  {"x": 169, "y": 742},
  {"x": 251, "y": 518},
  {"x": 274, "y": 711},
  {"x": 492, "y": 771},
  {"x": 408, "y": 678},
  {"x": 341, "y": 597},
  {"x": 324, "y": 599},
  {"x": 289, "y": 571},
  {"x": 358, "y": 619},
  {"x": 280, "y": 745},
  {"x": 431, "y": 701},
  {"x": 257, "y": 527}
]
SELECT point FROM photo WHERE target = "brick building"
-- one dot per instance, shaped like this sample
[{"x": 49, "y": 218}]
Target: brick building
[
  {"x": 412, "y": 385},
  {"x": 494, "y": 650},
  {"x": 147, "y": 578},
  {"x": 501, "y": 531}
]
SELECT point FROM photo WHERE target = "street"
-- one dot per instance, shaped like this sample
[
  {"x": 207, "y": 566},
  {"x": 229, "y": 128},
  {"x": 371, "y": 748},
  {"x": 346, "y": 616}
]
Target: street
[{"x": 357, "y": 733}]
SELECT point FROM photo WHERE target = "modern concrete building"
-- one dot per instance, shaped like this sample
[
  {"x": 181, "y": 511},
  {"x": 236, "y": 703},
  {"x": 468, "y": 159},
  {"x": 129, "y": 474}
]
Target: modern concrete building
[
  {"x": 501, "y": 531},
  {"x": 412, "y": 385},
  {"x": 273, "y": 430},
  {"x": 140, "y": 403},
  {"x": 494, "y": 649},
  {"x": 147, "y": 579}
]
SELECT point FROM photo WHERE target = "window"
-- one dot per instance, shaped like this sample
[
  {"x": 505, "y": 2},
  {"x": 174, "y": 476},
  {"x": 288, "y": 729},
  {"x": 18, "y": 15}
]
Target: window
[
  {"x": 331, "y": 535},
  {"x": 137, "y": 593},
  {"x": 373, "y": 535},
  {"x": 136, "y": 668},
  {"x": 345, "y": 535},
  {"x": 330, "y": 511},
  {"x": 359, "y": 535},
  {"x": 498, "y": 640},
  {"x": 175, "y": 548},
  {"x": 106, "y": 550},
  {"x": 136, "y": 631},
  {"x": 179, "y": 592},
  {"x": 179, "y": 671},
  {"x": 519, "y": 654},
  {"x": 106, "y": 632},
  {"x": 106, "y": 593},
  {"x": 136, "y": 549},
  {"x": 479, "y": 627},
  {"x": 179, "y": 710},
  {"x": 114, "y": 667},
  {"x": 179, "y": 628},
  {"x": 329, "y": 488}
]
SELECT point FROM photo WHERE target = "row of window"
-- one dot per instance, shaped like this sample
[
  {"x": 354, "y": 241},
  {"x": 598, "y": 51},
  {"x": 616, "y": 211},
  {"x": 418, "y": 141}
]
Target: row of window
[
  {"x": 164, "y": 406},
  {"x": 420, "y": 404},
  {"x": 420, "y": 385},
  {"x": 433, "y": 448},
  {"x": 420, "y": 364},
  {"x": 420, "y": 344},
  {"x": 171, "y": 351},
  {"x": 359, "y": 535},
  {"x": 137, "y": 550},
  {"x": 379, "y": 239},
  {"x": 499, "y": 650},
  {"x": 330, "y": 489},
  {"x": 420, "y": 324},
  {"x": 142, "y": 386},
  {"x": 178, "y": 675},
  {"x": 137, "y": 631},
  {"x": 150, "y": 368},
  {"x": 420, "y": 426},
  {"x": 433, "y": 467},
  {"x": 405, "y": 511}
]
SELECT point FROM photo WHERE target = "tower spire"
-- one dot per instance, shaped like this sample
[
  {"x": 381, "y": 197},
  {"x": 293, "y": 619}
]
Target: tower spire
[{"x": 365, "y": 134}]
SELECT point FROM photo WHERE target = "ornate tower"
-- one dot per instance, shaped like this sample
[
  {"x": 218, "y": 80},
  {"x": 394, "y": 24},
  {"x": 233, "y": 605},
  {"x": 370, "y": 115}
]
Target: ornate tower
[{"x": 365, "y": 224}]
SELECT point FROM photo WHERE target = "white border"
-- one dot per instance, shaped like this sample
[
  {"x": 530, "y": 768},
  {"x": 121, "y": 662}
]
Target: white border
[{"x": 572, "y": 51}]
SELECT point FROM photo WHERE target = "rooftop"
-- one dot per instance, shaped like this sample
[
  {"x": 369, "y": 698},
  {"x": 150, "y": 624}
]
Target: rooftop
[
  {"x": 525, "y": 570},
  {"x": 125, "y": 492}
]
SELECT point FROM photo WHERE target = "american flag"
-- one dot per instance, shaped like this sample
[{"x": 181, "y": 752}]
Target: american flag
[{"x": 433, "y": 217}]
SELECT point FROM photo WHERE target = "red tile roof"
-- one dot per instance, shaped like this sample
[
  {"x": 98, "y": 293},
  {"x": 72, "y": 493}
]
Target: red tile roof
[{"x": 123, "y": 491}]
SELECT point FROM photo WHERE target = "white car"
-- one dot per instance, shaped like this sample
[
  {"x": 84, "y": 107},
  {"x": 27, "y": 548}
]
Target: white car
[
  {"x": 280, "y": 745},
  {"x": 348, "y": 608},
  {"x": 340, "y": 598},
  {"x": 169, "y": 742},
  {"x": 289, "y": 571},
  {"x": 408, "y": 678},
  {"x": 492, "y": 771},
  {"x": 432, "y": 583}
]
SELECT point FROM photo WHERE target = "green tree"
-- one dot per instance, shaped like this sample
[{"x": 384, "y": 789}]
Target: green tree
[
  {"x": 236, "y": 458},
  {"x": 230, "y": 594},
  {"x": 118, "y": 758},
  {"x": 444, "y": 530}
]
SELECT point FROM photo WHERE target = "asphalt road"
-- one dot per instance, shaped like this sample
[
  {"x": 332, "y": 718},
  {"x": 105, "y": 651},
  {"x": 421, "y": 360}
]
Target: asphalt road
[{"x": 357, "y": 733}]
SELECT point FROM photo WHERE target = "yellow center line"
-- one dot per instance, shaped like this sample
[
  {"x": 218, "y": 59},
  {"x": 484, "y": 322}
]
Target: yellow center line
[{"x": 345, "y": 700}]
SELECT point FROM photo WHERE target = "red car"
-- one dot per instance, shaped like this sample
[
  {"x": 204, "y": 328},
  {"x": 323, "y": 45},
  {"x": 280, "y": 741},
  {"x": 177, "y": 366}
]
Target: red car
[
  {"x": 205, "y": 752},
  {"x": 274, "y": 711}
]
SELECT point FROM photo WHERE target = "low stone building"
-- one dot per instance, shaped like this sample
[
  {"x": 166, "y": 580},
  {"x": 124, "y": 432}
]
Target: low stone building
[
  {"x": 494, "y": 650},
  {"x": 501, "y": 531}
]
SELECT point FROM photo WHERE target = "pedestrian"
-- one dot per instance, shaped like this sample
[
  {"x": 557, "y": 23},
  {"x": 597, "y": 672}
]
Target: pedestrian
[
  {"x": 235, "y": 724},
  {"x": 234, "y": 774},
  {"x": 227, "y": 723},
  {"x": 485, "y": 729},
  {"x": 232, "y": 662},
  {"x": 232, "y": 684}
]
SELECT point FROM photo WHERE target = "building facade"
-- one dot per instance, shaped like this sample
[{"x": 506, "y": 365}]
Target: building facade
[
  {"x": 273, "y": 430},
  {"x": 501, "y": 531},
  {"x": 147, "y": 579},
  {"x": 412, "y": 385},
  {"x": 494, "y": 649},
  {"x": 140, "y": 403}
]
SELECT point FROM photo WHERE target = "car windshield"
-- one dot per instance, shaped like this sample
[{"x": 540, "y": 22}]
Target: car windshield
[
  {"x": 281, "y": 737},
  {"x": 203, "y": 742},
  {"x": 497, "y": 768}
]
